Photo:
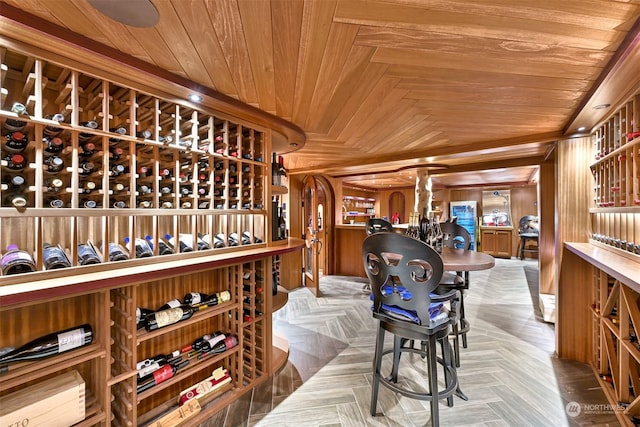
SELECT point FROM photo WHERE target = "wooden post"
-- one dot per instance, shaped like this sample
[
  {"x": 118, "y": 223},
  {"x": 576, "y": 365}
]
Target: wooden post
[{"x": 424, "y": 196}]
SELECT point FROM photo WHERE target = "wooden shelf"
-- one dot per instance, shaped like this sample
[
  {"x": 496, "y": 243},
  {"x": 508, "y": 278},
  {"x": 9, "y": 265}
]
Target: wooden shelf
[{"x": 280, "y": 299}]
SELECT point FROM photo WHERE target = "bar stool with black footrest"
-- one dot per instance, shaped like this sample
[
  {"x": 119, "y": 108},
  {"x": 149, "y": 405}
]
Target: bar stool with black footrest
[
  {"x": 528, "y": 232},
  {"x": 373, "y": 226},
  {"x": 456, "y": 236},
  {"x": 403, "y": 273}
]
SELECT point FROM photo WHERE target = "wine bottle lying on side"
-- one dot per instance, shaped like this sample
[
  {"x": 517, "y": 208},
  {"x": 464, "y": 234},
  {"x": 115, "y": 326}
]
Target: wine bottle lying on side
[{"x": 49, "y": 345}]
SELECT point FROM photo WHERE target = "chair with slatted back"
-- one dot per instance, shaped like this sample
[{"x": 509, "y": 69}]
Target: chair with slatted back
[
  {"x": 456, "y": 236},
  {"x": 404, "y": 272}
]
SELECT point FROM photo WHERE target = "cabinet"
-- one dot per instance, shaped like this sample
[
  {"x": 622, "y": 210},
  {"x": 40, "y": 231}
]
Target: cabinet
[
  {"x": 496, "y": 241},
  {"x": 139, "y": 168}
]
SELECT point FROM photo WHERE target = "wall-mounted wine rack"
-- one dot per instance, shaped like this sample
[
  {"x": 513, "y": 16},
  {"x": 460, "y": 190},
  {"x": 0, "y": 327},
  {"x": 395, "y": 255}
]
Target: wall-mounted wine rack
[
  {"x": 89, "y": 147},
  {"x": 616, "y": 170},
  {"x": 183, "y": 192}
]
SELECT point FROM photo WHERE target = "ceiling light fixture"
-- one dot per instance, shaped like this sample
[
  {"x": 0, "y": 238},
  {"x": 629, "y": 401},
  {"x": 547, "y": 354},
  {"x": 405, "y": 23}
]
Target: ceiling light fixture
[
  {"x": 602, "y": 106},
  {"x": 195, "y": 98},
  {"x": 581, "y": 128},
  {"x": 135, "y": 13}
]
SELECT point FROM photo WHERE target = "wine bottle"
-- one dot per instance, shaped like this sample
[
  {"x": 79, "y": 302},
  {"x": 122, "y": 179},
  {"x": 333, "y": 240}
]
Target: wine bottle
[
  {"x": 163, "y": 247},
  {"x": 119, "y": 204},
  {"x": 221, "y": 346},
  {"x": 143, "y": 171},
  {"x": 50, "y": 345},
  {"x": 170, "y": 304},
  {"x": 116, "y": 252},
  {"x": 117, "y": 170},
  {"x": 16, "y": 142},
  {"x": 198, "y": 344},
  {"x": 16, "y": 162},
  {"x": 89, "y": 204},
  {"x": 51, "y": 130},
  {"x": 164, "y": 373},
  {"x": 196, "y": 298},
  {"x": 53, "y": 164},
  {"x": 282, "y": 172},
  {"x": 86, "y": 167},
  {"x": 233, "y": 239},
  {"x": 141, "y": 316},
  {"x": 119, "y": 130},
  {"x": 184, "y": 245},
  {"x": 142, "y": 248},
  {"x": 219, "y": 241},
  {"x": 54, "y": 257},
  {"x": 145, "y": 134},
  {"x": 13, "y": 124},
  {"x": 87, "y": 254},
  {"x": 53, "y": 185},
  {"x": 275, "y": 176},
  {"x": 13, "y": 182},
  {"x": 144, "y": 189},
  {"x": 116, "y": 153},
  {"x": 88, "y": 148},
  {"x": 55, "y": 203},
  {"x": 146, "y": 366},
  {"x": 16, "y": 261},
  {"x": 53, "y": 145},
  {"x": 163, "y": 318}
]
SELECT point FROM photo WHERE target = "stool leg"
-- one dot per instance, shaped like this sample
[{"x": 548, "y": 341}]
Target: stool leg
[
  {"x": 522, "y": 244},
  {"x": 377, "y": 363},
  {"x": 433, "y": 381},
  {"x": 463, "y": 321},
  {"x": 397, "y": 345},
  {"x": 446, "y": 357}
]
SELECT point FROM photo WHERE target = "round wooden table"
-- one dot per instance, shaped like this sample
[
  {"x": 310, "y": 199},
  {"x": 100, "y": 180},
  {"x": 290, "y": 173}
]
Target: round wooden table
[{"x": 463, "y": 260}]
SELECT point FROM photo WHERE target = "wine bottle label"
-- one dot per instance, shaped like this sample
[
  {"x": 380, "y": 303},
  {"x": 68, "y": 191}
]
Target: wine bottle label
[
  {"x": 215, "y": 340},
  {"x": 224, "y": 296},
  {"x": 70, "y": 340},
  {"x": 173, "y": 303},
  {"x": 146, "y": 369},
  {"x": 163, "y": 374},
  {"x": 11, "y": 259},
  {"x": 168, "y": 317},
  {"x": 195, "y": 298}
]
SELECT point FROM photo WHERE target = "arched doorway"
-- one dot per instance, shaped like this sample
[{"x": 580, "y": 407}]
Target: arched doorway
[{"x": 318, "y": 223}]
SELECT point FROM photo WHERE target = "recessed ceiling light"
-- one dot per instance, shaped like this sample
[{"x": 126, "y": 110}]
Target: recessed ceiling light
[
  {"x": 602, "y": 106},
  {"x": 581, "y": 128},
  {"x": 195, "y": 98},
  {"x": 294, "y": 144},
  {"x": 136, "y": 13}
]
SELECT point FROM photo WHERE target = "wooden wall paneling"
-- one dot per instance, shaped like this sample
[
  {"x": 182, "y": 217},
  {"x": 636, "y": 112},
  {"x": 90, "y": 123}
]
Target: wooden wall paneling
[
  {"x": 573, "y": 318},
  {"x": 574, "y": 186},
  {"x": 291, "y": 263},
  {"x": 547, "y": 239}
]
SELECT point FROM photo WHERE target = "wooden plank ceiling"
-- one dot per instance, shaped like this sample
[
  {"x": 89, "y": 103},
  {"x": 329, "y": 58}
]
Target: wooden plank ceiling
[{"x": 382, "y": 87}]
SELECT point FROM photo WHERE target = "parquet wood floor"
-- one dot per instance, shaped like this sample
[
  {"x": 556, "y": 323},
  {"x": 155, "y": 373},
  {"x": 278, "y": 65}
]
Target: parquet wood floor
[{"x": 509, "y": 371}]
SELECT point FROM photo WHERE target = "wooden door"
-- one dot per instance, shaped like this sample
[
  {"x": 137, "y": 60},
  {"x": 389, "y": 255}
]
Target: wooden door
[{"x": 313, "y": 244}]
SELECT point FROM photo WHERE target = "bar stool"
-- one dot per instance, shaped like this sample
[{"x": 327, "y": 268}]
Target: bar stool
[
  {"x": 403, "y": 273},
  {"x": 456, "y": 236},
  {"x": 528, "y": 232},
  {"x": 373, "y": 226}
]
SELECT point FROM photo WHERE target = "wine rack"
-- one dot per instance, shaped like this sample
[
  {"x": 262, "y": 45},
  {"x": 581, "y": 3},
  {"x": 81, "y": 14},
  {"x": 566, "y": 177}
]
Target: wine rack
[
  {"x": 617, "y": 154},
  {"x": 163, "y": 197},
  {"x": 616, "y": 171},
  {"x": 616, "y": 350}
]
